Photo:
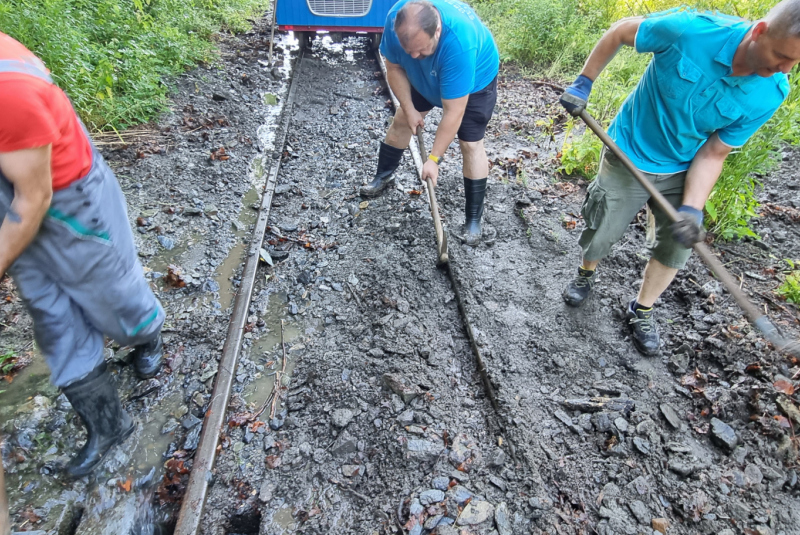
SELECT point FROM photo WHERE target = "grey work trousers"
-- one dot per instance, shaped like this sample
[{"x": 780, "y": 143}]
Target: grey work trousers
[{"x": 81, "y": 279}]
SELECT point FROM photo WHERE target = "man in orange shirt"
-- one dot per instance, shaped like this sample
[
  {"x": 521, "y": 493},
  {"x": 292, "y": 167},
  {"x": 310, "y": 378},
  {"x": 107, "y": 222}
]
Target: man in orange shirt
[{"x": 66, "y": 241}]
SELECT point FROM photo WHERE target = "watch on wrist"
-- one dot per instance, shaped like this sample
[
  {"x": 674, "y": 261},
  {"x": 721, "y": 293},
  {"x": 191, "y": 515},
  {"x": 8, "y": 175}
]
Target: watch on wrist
[{"x": 436, "y": 159}]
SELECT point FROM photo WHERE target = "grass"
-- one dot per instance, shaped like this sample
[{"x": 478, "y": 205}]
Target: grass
[
  {"x": 554, "y": 37},
  {"x": 8, "y": 360},
  {"x": 790, "y": 288},
  {"x": 114, "y": 57}
]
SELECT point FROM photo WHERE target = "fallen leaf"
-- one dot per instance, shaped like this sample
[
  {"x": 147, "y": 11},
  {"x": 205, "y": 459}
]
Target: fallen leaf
[
  {"x": 754, "y": 369},
  {"x": 789, "y": 409},
  {"x": 273, "y": 461},
  {"x": 176, "y": 466},
  {"x": 266, "y": 257},
  {"x": 174, "y": 277},
  {"x": 255, "y": 426},
  {"x": 126, "y": 485},
  {"x": 415, "y": 192},
  {"x": 783, "y": 421},
  {"x": 240, "y": 418},
  {"x": 782, "y": 385}
]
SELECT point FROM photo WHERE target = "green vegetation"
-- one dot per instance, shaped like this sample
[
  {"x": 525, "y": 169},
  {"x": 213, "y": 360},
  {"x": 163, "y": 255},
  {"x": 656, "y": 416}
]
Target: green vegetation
[
  {"x": 553, "y": 37},
  {"x": 7, "y": 362},
  {"x": 112, "y": 57},
  {"x": 790, "y": 289}
]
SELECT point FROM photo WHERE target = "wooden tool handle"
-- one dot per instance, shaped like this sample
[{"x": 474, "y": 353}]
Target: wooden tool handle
[{"x": 437, "y": 220}]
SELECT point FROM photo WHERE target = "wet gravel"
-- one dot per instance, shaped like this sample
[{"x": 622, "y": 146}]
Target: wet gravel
[{"x": 381, "y": 424}]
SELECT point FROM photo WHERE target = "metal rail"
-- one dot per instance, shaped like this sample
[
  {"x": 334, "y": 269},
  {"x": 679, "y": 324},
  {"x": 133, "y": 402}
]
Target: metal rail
[
  {"x": 5, "y": 520},
  {"x": 450, "y": 268},
  {"x": 191, "y": 512},
  {"x": 197, "y": 488}
]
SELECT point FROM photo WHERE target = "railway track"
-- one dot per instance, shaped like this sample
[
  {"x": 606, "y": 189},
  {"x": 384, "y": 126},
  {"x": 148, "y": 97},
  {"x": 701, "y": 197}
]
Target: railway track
[
  {"x": 191, "y": 518},
  {"x": 361, "y": 389}
]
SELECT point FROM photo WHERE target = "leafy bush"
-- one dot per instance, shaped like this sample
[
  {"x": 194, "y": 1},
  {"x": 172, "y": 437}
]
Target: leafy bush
[
  {"x": 553, "y": 35},
  {"x": 112, "y": 57}
]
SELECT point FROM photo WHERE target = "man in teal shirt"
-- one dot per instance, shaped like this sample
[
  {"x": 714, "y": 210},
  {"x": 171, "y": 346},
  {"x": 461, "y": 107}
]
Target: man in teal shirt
[
  {"x": 713, "y": 81},
  {"x": 438, "y": 53}
]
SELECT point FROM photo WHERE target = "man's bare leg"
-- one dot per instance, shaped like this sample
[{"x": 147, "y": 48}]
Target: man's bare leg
[
  {"x": 589, "y": 265},
  {"x": 399, "y": 133},
  {"x": 475, "y": 163},
  {"x": 657, "y": 277}
]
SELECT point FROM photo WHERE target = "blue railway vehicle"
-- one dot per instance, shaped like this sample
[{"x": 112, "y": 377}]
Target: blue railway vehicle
[{"x": 306, "y": 17}]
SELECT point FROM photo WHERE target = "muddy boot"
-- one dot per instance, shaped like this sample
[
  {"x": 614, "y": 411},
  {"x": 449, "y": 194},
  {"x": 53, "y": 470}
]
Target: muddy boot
[
  {"x": 643, "y": 328},
  {"x": 579, "y": 288},
  {"x": 147, "y": 358},
  {"x": 388, "y": 161},
  {"x": 474, "y": 193},
  {"x": 96, "y": 401}
]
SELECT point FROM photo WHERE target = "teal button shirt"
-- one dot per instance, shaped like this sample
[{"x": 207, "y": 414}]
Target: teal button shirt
[
  {"x": 466, "y": 59},
  {"x": 687, "y": 92}
]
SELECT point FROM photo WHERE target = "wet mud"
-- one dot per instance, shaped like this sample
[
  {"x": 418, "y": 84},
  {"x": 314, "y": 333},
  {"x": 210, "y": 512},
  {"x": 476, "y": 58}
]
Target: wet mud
[{"x": 373, "y": 417}]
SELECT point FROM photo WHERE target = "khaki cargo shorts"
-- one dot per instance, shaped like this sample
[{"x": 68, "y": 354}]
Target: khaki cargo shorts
[{"x": 611, "y": 203}]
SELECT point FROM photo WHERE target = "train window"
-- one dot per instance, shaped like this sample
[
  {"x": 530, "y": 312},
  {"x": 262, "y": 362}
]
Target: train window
[{"x": 339, "y": 8}]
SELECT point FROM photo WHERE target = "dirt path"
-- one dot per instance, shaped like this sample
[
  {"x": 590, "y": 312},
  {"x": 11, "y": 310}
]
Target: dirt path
[{"x": 382, "y": 424}]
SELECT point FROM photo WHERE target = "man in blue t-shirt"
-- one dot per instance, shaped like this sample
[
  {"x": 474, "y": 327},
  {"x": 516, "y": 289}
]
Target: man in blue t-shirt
[
  {"x": 438, "y": 53},
  {"x": 713, "y": 81}
]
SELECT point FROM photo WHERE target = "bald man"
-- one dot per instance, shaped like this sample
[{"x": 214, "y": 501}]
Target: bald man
[
  {"x": 438, "y": 53},
  {"x": 713, "y": 81}
]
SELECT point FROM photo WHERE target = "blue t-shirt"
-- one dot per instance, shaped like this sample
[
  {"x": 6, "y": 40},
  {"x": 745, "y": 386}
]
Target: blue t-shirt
[
  {"x": 687, "y": 92},
  {"x": 465, "y": 61}
]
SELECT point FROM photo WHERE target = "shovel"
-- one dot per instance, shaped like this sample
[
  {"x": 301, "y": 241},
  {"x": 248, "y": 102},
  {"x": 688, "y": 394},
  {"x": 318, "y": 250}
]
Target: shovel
[
  {"x": 753, "y": 313},
  {"x": 441, "y": 238}
]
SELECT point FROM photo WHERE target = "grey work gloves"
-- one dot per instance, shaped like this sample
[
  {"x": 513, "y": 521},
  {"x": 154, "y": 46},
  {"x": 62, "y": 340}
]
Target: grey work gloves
[
  {"x": 688, "y": 230},
  {"x": 575, "y": 97}
]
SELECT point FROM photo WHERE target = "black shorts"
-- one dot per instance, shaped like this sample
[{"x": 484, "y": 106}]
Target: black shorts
[{"x": 480, "y": 107}]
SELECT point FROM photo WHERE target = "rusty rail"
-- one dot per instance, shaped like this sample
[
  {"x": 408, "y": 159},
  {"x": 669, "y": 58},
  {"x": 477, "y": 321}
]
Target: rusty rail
[
  {"x": 5, "y": 521},
  {"x": 197, "y": 488},
  {"x": 451, "y": 272}
]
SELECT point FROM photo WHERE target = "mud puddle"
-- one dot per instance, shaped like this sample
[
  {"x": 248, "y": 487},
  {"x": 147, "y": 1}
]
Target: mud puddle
[
  {"x": 383, "y": 399},
  {"x": 190, "y": 210}
]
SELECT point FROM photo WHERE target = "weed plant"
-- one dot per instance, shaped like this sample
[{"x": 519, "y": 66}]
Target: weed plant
[
  {"x": 113, "y": 57},
  {"x": 554, "y": 37},
  {"x": 790, "y": 288}
]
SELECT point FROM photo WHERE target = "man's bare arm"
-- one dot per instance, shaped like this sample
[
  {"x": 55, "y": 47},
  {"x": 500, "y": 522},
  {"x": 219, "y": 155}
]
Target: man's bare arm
[
  {"x": 29, "y": 172},
  {"x": 622, "y": 32},
  {"x": 452, "y": 114},
  {"x": 398, "y": 82},
  {"x": 704, "y": 172}
]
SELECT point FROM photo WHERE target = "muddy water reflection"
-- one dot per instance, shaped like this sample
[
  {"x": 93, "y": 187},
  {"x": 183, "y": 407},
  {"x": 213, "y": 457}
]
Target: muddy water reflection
[{"x": 266, "y": 351}]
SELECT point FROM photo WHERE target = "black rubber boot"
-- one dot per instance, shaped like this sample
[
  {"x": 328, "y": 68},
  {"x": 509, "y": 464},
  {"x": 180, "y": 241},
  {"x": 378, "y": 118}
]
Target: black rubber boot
[
  {"x": 96, "y": 401},
  {"x": 643, "y": 328},
  {"x": 579, "y": 288},
  {"x": 147, "y": 358},
  {"x": 388, "y": 161},
  {"x": 474, "y": 193}
]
